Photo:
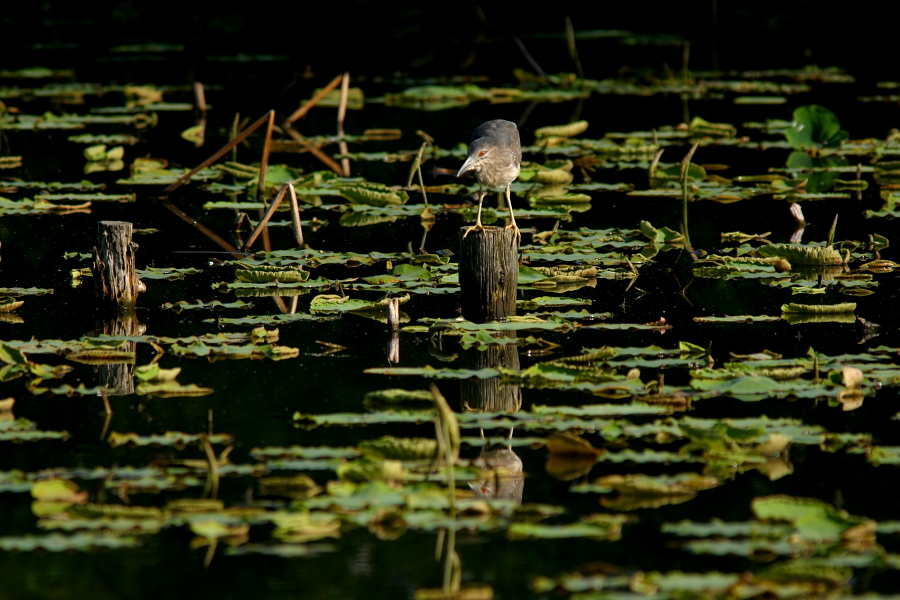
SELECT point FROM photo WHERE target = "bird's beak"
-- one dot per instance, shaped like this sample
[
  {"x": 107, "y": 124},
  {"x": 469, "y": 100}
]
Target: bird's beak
[{"x": 467, "y": 167}]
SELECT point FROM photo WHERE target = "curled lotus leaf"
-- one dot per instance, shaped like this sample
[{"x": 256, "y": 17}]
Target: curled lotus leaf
[
  {"x": 171, "y": 389},
  {"x": 394, "y": 448},
  {"x": 102, "y": 356},
  {"x": 171, "y": 438},
  {"x": 804, "y": 318},
  {"x": 9, "y": 305},
  {"x": 663, "y": 485},
  {"x": 569, "y": 198},
  {"x": 269, "y": 274},
  {"x": 733, "y": 370},
  {"x": 568, "y": 130},
  {"x": 398, "y": 398},
  {"x": 372, "y": 194},
  {"x": 879, "y": 266},
  {"x": 336, "y": 303},
  {"x": 806, "y": 255},
  {"x": 355, "y": 219},
  {"x": 598, "y": 526},
  {"x": 702, "y": 127},
  {"x": 844, "y": 307}
]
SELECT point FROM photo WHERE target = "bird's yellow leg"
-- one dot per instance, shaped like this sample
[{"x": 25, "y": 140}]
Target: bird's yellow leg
[
  {"x": 478, "y": 224},
  {"x": 512, "y": 218}
]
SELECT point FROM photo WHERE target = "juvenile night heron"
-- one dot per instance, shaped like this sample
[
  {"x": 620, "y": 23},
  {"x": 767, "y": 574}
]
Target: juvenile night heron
[{"x": 495, "y": 154}]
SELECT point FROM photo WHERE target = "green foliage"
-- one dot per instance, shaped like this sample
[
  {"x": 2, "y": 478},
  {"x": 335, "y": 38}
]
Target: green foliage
[{"x": 813, "y": 127}]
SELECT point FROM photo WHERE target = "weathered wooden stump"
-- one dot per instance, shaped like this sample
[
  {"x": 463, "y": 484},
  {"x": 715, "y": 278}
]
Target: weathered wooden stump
[
  {"x": 488, "y": 273},
  {"x": 115, "y": 277}
]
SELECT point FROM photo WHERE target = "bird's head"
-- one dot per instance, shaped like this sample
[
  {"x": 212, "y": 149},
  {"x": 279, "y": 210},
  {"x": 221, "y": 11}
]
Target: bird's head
[{"x": 479, "y": 154}]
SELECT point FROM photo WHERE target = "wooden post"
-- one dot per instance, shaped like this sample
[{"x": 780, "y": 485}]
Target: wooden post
[
  {"x": 116, "y": 280},
  {"x": 488, "y": 273}
]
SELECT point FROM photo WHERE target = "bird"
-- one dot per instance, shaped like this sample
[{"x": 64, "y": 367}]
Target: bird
[{"x": 495, "y": 157}]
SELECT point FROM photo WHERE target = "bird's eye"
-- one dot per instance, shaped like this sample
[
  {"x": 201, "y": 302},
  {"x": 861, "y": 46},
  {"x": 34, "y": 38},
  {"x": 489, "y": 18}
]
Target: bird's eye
[{"x": 482, "y": 153}]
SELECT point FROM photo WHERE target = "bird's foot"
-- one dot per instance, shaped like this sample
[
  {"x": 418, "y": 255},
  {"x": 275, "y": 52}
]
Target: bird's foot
[
  {"x": 518, "y": 233},
  {"x": 475, "y": 226}
]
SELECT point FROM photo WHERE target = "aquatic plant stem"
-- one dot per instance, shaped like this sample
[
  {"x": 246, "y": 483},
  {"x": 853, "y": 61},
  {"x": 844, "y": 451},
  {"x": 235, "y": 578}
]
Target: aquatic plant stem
[
  {"x": 295, "y": 215},
  {"x": 200, "y": 105},
  {"x": 261, "y": 185},
  {"x": 573, "y": 50},
  {"x": 451, "y": 565},
  {"x": 234, "y": 132},
  {"x": 832, "y": 230},
  {"x": 685, "y": 169},
  {"x": 449, "y": 432},
  {"x": 418, "y": 168},
  {"x": 264, "y": 160},
  {"x": 653, "y": 165},
  {"x": 342, "y": 112},
  {"x": 212, "y": 481},
  {"x": 264, "y": 217}
]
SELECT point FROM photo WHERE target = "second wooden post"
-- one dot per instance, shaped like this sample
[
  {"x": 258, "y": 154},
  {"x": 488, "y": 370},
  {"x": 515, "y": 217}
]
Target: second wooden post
[{"x": 114, "y": 272}]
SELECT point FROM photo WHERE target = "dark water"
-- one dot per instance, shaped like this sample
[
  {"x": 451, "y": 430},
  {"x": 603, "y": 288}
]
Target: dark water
[{"x": 254, "y": 400}]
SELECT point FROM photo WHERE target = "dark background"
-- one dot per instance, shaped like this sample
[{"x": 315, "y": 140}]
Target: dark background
[{"x": 449, "y": 38}]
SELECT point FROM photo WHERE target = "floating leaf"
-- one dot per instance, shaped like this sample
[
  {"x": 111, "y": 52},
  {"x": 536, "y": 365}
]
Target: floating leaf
[
  {"x": 845, "y": 307},
  {"x": 805, "y": 255},
  {"x": 400, "y": 448},
  {"x": 815, "y": 126},
  {"x": 569, "y": 130},
  {"x": 569, "y": 445},
  {"x": 598, "y": 526},
  {"x": 372, "y": 194}
]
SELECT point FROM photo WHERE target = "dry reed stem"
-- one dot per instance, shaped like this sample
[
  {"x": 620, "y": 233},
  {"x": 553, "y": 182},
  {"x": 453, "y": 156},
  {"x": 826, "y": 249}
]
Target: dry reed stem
[
  {"x": 264, "y": 161},
  {"x": 295, "y": 215},
  {"x": 199, "y": 96},
  {"x": 212, "y": 481},
  {"x": 264, "y": 217},
  {"x": 234, "y": 131},
  {"x": 342, "y": 112},
  {"x": 282, "y": 308}
]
